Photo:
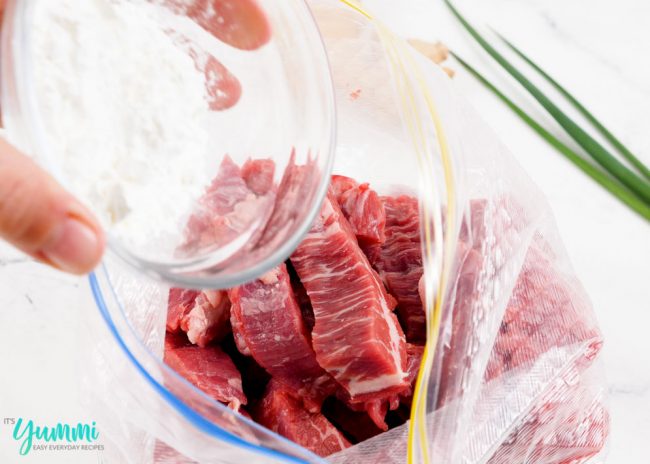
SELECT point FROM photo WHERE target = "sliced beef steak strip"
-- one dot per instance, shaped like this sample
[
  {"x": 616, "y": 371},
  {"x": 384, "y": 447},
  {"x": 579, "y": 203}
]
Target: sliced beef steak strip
[
  {"x": 362, "y": 207},
  {"x": 268, "y": 326},
  {"x": 302, "y": 298},
  {"x": 399, "y": 263},
  {"x": 282, "y": 413},
  {"x": 203, "y": 315},
  {"x": 414, "y": 355},
  {"x": 356, "y": 336},
  {"x": 210, "y": 369},
  {"x": 209, "y": 319},
  {"x": 238, "y": 203},
  {"x": 179, "y": 303}
]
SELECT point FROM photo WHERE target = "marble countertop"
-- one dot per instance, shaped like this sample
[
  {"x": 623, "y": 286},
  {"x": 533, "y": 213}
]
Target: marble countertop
[{"x": 594, "y": 52}]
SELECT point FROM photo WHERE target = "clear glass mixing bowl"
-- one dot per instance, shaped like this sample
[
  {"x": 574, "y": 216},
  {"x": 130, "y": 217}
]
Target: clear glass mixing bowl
[{"x": 273, "y": 100}]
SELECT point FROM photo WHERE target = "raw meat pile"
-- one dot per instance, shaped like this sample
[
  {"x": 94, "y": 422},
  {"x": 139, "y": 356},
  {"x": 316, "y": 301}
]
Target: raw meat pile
[{"x": 335, "y": 335}]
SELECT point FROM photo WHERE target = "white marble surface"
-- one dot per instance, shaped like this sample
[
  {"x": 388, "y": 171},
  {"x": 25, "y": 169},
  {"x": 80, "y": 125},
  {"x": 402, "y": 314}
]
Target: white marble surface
[{"x": 598, "y": 49}]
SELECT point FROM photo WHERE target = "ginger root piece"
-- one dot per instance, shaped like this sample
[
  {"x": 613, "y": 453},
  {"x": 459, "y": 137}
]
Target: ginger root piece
[
  {"x": 450, "y": 72},
  {"x": 436, "y": 52}
]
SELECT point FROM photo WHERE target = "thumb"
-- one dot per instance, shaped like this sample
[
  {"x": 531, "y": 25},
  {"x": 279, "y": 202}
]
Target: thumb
[{"x": 40, "y": 218}]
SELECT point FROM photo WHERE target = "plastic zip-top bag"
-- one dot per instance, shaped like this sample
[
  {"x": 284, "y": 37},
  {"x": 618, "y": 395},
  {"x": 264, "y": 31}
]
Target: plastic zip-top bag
[{"x": 430, "y": 314}]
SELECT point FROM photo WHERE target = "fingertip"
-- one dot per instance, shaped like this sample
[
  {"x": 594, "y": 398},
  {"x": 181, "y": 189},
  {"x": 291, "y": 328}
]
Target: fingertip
[
  {"x": 42, "y": 219},
  {"x": 240, "y": 23},
  {"x": 76, "y": 246}
]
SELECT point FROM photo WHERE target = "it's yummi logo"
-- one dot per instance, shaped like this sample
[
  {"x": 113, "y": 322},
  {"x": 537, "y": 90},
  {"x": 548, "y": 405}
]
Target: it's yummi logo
[{"x": 38, "y": 437}]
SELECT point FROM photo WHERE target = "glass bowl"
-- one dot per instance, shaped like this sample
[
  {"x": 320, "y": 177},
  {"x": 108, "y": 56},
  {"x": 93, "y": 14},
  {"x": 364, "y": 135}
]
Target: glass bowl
[{"x": 268, "y": 94}]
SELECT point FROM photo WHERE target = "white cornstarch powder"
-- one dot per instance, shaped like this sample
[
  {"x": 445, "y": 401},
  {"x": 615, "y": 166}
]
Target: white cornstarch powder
[{"x": 124, "y": 112}]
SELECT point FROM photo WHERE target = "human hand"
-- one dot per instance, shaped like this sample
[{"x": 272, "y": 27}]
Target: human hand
[
  {"x": 43, "y": 220},
  {"x": 40, "y": 218}
]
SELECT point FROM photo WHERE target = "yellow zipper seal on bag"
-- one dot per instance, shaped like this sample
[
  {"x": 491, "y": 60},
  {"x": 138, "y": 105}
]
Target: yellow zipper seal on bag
[{"x": 418, "y": 440}]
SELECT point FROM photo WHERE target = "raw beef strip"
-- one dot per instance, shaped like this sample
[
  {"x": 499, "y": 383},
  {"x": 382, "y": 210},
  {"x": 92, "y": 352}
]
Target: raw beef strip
[
  {"x": 374, "y": 409},
  {"x": 282, "y": 413},
  {"x": 302, "y": 298},
  {"x": 569, "y": 428},
  {"x": 180, "y": 302},
  {"x": 203, "y": 315},
  {"x": 238, "y": 334},
  {"x": 414, "y": 355},
  {"x": 544, "y": 312},
  {"x": 341, "y": 184},
  {"x": 362, "y": 207},
  {"x": 233, "y": 206},
  {"x": 296, "y": 189},
  {"x": 399, "y": 263},
  {"x": 357, "y": 426},
  {"x": 356, "y": 337},
  {"x": 269, "y": 324},
  {"x": 457, "y": 351},
  {"x": 209, "y": 369},
  {"x": 209, "y": 319},
  {"x": 494, "y": 229},
  {"x": 258, "y": 175}
]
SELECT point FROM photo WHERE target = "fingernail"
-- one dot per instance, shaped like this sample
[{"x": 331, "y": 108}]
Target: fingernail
[{"x": 75, "y": 247}]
